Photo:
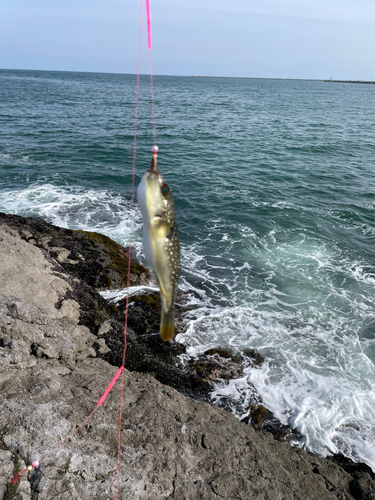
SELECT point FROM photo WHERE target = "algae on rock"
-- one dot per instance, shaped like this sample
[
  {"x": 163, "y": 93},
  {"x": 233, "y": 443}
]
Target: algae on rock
[{"x": 119, "y": 261}]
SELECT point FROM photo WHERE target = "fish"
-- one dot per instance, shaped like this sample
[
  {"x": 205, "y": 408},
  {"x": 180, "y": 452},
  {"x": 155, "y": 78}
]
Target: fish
[{"x": 161, "y": 245}]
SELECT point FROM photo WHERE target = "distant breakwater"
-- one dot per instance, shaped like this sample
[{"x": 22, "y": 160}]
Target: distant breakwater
[
  {"x": 256, "y": 78},
  {"x": 349, "y": 81}
]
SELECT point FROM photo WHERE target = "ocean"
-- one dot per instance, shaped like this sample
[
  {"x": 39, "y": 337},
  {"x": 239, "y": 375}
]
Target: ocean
[{"x": 274, "y": 186}]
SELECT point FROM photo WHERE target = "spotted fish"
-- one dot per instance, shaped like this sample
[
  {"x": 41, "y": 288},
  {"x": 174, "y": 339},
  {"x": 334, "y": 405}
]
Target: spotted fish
[{"x": 161, "y": 245}]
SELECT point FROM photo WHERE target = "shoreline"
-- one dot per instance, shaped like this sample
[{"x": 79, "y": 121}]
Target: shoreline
[{"x": 61, "y": 341}]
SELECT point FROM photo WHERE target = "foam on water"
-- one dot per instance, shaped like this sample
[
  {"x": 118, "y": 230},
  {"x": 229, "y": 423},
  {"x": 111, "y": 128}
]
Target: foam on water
[
  {"x": 117, "y": 295},
  {"x": 74, "y": 207},
  {"x": 319, "y": 373},
  {"x": 315, "y": 380}
]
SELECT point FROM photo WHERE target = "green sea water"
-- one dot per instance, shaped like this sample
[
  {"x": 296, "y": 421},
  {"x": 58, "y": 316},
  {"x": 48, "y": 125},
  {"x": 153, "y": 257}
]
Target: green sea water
[{"x": 274, "y": 186}]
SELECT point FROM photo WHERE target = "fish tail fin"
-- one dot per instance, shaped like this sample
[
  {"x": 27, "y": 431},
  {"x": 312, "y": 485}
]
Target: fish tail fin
[{"x": 167, "y": 324}]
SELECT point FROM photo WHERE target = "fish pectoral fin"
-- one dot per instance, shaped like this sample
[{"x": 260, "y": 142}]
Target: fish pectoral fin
[
  {"x": 160, "y": 228},
  {"x": 167, "y": 324}
]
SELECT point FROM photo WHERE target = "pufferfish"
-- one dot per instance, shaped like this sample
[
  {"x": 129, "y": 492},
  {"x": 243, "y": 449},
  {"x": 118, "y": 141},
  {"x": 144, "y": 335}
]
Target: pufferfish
[{"x": 161, "y": 245}]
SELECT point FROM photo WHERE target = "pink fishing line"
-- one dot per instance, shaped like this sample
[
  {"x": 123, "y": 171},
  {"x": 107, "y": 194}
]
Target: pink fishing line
[
  {"x": 121, "y": 370},
  {"x": 152, "y": 100},
  {"x": 148, "y": 25},
  {"x": 130, "y": 244},
  {"x": 112, "y": 383},
  {"x": 36, "y": 463}
]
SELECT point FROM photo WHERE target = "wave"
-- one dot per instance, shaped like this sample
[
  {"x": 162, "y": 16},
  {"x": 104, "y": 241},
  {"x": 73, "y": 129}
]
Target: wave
[
  {"x": 76, "y": 207},
  {"x": 317, "y": 380}
]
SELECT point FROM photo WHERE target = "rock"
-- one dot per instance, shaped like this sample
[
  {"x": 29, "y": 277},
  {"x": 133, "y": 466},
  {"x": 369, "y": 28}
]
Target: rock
[
  {"x": 91, "y": 257},
  {"x": 255, "y": 357},
  {"x": 7, "y": 469},
  {"x": 217, "y": 364},
  {"x": 172, "y": 446},
  {"x": 144, "y": 313},
  {"x": 149, "y": 354}
]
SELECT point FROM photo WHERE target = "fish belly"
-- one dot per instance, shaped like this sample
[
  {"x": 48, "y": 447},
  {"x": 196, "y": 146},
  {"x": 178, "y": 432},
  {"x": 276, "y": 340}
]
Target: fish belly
[{"x": 147, "y": 247}]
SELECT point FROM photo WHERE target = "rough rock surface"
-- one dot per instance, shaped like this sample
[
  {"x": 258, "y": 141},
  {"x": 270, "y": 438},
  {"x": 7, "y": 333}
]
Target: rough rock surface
[
  {"x": 171, "y": 445},
  {"x": 91, "y": 257}
]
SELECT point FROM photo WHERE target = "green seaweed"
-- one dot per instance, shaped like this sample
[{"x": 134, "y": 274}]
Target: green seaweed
[
  {"x": 257, "y": 412},
  {"x": 100, "y": 312},
  {"x": 151, "y": 299},
  {"x": 11, "y": 488},
  {"x": 199, "y": 368},
  {"x": 255, "y": 356},
  {"x": 114, "y": 309},
  {"x": 223, "y": 354},
  {"x": 119, "y": 258}
]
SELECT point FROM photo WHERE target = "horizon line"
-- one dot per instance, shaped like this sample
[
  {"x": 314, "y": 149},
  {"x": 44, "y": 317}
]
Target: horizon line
[{"x": 182, "y": 76}]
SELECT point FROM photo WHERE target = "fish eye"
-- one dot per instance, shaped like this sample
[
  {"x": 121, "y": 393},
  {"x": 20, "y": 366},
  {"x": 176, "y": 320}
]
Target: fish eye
[{"x": 165, "y": 188}]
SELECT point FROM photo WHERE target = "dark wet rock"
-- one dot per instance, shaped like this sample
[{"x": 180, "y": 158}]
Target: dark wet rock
[
  {"x": 91, "y": 257},
  {"x": 261, "y": 419},
  {"x": 361, "y": 486},
  {"x": 116, "y": 262},
  {"x": 255, "y": 357},
  {"x": 217, "y": 364},
  {"x": 145, "y": 310},
  {"x": 222, "y": 353},
  {"x": 144, "y": 313},
  {"x": 146, "y": 352},
  {"x": 94, "y": 310},
  {"x": 149, "y": 354}
]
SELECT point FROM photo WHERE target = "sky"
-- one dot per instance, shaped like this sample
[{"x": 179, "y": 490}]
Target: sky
[{"x": 260, "y": 38}]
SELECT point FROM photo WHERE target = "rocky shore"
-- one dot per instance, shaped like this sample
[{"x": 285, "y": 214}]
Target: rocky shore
[{"x": 60, "y": 345}]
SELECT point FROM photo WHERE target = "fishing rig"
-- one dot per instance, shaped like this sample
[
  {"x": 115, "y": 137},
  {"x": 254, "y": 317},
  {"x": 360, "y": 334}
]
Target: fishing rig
[{"x": 120, "y": 372}]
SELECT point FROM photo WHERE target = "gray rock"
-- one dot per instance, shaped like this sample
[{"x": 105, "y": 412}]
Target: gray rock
[{"x": 91, "y": 257}]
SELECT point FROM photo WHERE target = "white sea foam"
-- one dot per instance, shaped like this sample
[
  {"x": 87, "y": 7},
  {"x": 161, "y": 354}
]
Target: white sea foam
[
  {"x": 115, "y": 296},
  {"x": 318, "y": 381},
  {"x": 319, "y": 374},
  {"x": 75, "y": 208}
]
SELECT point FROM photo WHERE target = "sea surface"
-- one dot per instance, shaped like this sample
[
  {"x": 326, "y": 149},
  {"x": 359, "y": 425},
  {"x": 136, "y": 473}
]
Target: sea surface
[{"x": 274, "y": 185}]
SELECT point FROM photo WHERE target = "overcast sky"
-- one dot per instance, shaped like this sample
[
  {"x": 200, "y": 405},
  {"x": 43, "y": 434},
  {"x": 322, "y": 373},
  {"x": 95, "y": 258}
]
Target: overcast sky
[{"x": 258, "y": 38}]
